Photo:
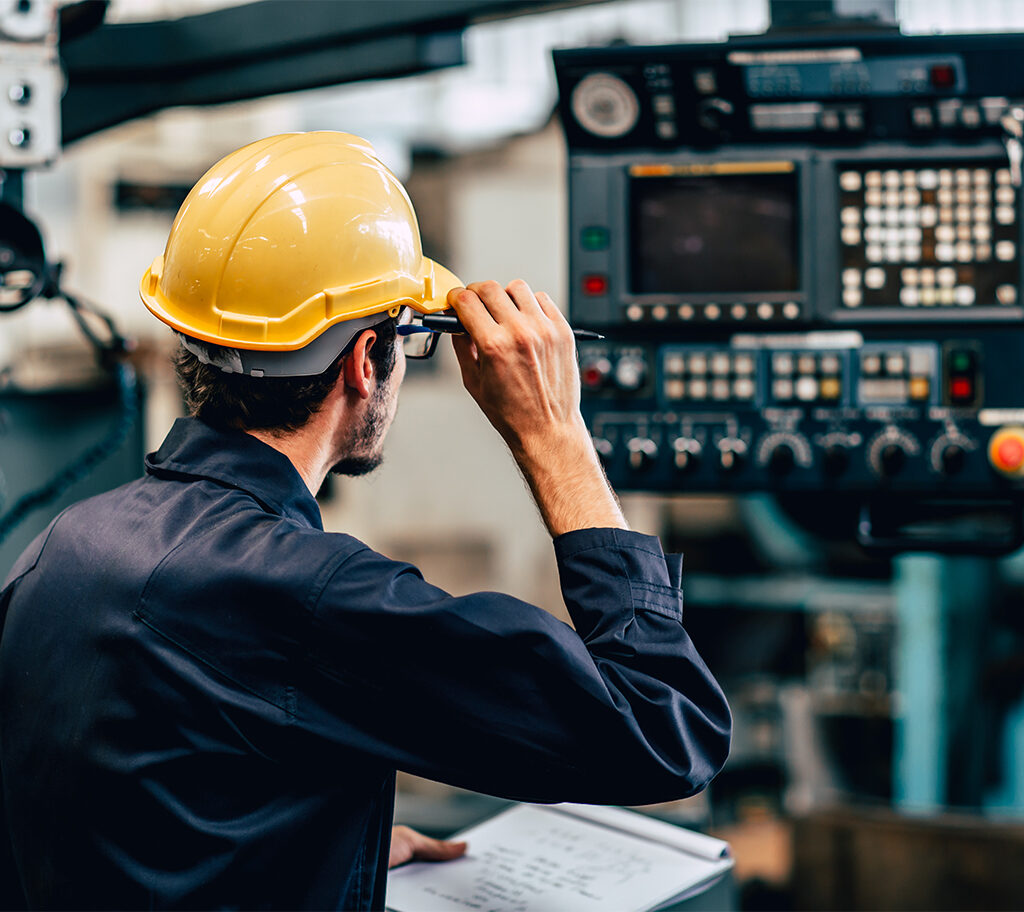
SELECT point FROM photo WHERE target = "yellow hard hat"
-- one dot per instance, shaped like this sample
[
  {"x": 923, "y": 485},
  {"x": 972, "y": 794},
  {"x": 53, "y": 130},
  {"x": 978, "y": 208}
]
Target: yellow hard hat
[{"x": 287, "y": 237}]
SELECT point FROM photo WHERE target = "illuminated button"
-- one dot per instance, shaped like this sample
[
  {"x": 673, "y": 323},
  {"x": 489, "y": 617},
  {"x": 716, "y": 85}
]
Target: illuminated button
[
  {"x": 910, "y": 296},
  {"x": 927, "y": 276},
  {"x": 871, "y": 365},
  {"x": 945, "y": 178},
  {"x": 1006, "y": 294},
  {"x": 1003, "y": 176},
  {"x": 850, "y": 236},
  {"x": 873, "y": 215},
  {"x": 675, "y": 389},
  {"x": 928, "y": 216},
  {"x": 874, "y": 277},
  {"x": 738, "y": 311},
  {"x": 782, "y": 364},
  {"x": 928, "y": 179},
  {"x": 685, "y": 311},
  {"x": 765, "y": 310},
  {"x": 909, "y": 217},
  {"x": 743, "y": 365},
  {"x": 946, "y": 275},
  {"x": 892, "y": 216},
  {"x": 911, "y": 198},
  {"x": 851, "y": 277},
  {"x": 963, "y": 196},
  {"x": 873, "y": 179},
  {"x": 944, "y": 252},
  {"x": 893, "y": 235},
  {"x": 1005, "y": 251},
  {"x": 945, "y": 296},
  {"x": 963, "y": 213},
  {"x": 945, "y": 213},
  {"x": 970, "y": 116},
  {"x": 892, "y": 199},
  {"x": 983, "y": 253},
  {"x": 945, "y": 197},
  {"x": 830, "y": 364},
  {"x": 874, "y": 234},
  {"x": 942, "y": 75},
  {"x": 850, "y": 181},
  {"x": 912, "y": 253},
  {"x": 1006, "y": 451},
  {"x": 982, "y": 233},
  {"x": 806, "y": 364},
  {"x": 981, "y": 176},
  {"x": 981, "y": 198},
  {"x": 659, "y": 312},
  {"x": 961, "y": 362},
  {"x": 674, "y": 364},
  {"x": 698, "y": 364},
  {"x": 919, "y": 361},
  {"x": 928, "y": 296},
  {"x": 895, "y": 364},
  {"x": 852, "y": 297},
  {"x": 595, "y": 285},
  {"x": 594, "y": 237},
  {"x": 912, "y": 234},
  {"x": 634, "y": 312},
  {"x": 595, "y": 372},
  {"x": 964, "y": 252},
  {"x": 720, "y": 364},
  {"x": 720, "y": 390},
  {"x": 850, "y": 215},
  {"x": 891, "y": 178},
  {"x": 920, "y": 388},
  {"x": 909, "y": 177},
  {"x": 909, "y": 276},
  {"x": 965, "y": 295},
  {"x": 963, "y": 232},
  {"x": 873, "y": 197},
  {"x": 791, "y": 310},
  {"x": 807, "y": 389},
  {"x": 782, "y": 389},
  {"x": 1005, "y": 215},
  {"x": 698, "y": 389},
  {"x": 1004, "y": 194},
  {"x": 712, "y": 312},
  {"x": 830, "y": 388},
  {"x": 982, "y": 215},
  {"x": 961, "y": 389},
  {"x": 892, "y": 253},
  {"x": 743, "y": 388},
  {"x": 945, "y": 234},
  {"x": 962, "y": 176}
]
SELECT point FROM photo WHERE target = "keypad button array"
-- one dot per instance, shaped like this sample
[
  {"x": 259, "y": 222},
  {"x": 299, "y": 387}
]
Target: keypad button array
[
  {"x": 696, "y": 376},
  {"x": 896, "y": 376},
  {"x": 900, "y": 225},
  {"x": 806, "y": 377}
]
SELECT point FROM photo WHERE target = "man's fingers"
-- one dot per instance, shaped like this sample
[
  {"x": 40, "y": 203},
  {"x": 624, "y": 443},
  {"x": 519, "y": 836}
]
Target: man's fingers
[
  {"x": 523, "y": 297},
  {"x": 426, "y": 849},
  {"x": 471, "y": 311},
  {"x": 497, "y": 301}
]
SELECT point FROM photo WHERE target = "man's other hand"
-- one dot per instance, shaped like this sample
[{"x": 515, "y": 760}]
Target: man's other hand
[{"x": 408, "y": 845}]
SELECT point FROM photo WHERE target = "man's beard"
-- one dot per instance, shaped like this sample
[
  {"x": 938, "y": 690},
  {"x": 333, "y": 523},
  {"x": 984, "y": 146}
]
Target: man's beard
[{"x": 368, "y": 440}]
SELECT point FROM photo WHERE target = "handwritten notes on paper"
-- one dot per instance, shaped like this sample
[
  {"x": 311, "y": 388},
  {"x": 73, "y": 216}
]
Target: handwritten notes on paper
[{"x": 542, "y": 859}]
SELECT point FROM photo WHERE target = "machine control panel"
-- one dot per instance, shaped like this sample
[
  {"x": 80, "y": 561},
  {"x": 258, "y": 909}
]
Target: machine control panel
[{"x": 805, "y": 257}]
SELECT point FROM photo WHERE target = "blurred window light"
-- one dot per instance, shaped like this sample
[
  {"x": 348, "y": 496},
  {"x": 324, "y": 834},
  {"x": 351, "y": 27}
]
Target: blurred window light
[{"x": 918, "y": 17}]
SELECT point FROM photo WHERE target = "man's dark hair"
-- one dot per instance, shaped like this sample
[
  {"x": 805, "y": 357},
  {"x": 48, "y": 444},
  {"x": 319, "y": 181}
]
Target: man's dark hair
[{"x": 270, "y": 403}]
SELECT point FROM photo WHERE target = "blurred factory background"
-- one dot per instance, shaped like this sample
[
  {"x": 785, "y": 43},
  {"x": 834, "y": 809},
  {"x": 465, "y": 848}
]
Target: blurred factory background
[{"x": 878, "y": 757}]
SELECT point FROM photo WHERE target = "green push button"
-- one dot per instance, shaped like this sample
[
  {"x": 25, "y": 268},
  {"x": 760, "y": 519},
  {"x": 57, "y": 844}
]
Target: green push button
[
  {"x": 961, "y": 362},
  {"x": 594, "y": 237}
]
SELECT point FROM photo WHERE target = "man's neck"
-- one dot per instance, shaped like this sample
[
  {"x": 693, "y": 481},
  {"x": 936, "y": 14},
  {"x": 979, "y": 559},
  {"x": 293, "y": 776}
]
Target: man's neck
[{"x": 308, "y": 449}]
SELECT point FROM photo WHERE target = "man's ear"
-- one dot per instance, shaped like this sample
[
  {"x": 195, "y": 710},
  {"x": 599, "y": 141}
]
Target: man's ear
[{"x": 357, "y": 368}]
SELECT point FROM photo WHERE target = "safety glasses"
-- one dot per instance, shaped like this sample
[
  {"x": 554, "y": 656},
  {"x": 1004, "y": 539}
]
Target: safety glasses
[{"x": 418, "y": 341}]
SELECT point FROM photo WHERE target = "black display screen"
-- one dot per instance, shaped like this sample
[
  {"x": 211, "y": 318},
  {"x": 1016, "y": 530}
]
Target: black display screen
[{"x": 714, "y": 233}]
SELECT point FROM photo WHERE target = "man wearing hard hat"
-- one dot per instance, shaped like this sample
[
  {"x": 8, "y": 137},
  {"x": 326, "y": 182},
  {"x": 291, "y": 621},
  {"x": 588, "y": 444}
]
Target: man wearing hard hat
[{"x": 204, "y": 697}]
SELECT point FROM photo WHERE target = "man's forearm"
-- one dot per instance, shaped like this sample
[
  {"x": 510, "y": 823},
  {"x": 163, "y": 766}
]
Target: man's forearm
[{"x": 567, "y": 481}]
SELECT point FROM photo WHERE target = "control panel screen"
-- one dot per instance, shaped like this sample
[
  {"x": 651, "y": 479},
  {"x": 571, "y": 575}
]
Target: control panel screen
[{"x": 714, "y": 229}]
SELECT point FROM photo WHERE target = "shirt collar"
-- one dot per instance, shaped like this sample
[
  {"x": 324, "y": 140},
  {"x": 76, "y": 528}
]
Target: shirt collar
[{"x": 194, "y": 450}]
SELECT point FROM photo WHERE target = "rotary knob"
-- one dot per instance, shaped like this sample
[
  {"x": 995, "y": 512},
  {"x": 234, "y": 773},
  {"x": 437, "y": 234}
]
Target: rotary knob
[
  {"x": 594, "y": 372},
  {"x": 687, "y": 454},
  {"x": 891, "y": 459},
  {"x": 890, "y": 450},
  {"x": 732, "y": 453},
  {"x": 642, "y": 452},
  {"x": 782, "y": 460},
  {"x": 953, "y": 459},
  {"x": 630, "y": 371}
]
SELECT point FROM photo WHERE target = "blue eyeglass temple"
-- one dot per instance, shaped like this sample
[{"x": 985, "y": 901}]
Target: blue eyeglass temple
[{"x": 407, "y": 329}]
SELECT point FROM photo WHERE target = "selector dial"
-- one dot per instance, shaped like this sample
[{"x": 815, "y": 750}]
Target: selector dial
[
  {"x": 782, "y": 452},
  {"x": 889, "y": 451},
  {"x": 594, "y": 371},
  {"x": 605, "y": 105},
  {"x": 642, "y": 452},
  {"x": 948, "y": 454},
  {"x": 687, "y": 453}
]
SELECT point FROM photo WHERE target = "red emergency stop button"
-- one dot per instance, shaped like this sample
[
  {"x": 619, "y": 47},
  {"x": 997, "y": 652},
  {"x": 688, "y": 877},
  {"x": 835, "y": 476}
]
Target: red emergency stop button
[
  {"x": 1006, "y": 451},
  {"x": 943, "y": 76},
  {"x": 595, "y": 284}
]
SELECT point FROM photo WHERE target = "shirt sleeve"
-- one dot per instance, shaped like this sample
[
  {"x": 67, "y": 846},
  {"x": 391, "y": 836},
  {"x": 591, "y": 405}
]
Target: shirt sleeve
[{"x": 496, "y": 695}]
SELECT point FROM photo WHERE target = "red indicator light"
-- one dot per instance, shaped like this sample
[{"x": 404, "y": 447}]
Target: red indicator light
[
  {"x": 943, "y": 76},
  {"x": 595, "y": 284},
  {"x": 961, "y": 389},
  {"x": 592, "y": 377}
]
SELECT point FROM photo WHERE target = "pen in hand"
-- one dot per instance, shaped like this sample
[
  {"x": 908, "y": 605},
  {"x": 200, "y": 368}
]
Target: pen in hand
[{"x": 450, "y": 324}]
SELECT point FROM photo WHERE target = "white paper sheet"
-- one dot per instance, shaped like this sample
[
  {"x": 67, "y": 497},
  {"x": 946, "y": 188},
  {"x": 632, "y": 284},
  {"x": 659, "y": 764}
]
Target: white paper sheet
[{"x": 533, "y": 858}]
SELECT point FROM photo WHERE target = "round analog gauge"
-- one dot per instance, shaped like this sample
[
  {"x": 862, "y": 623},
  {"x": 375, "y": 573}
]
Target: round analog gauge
[{"x": 605, "y": 105}]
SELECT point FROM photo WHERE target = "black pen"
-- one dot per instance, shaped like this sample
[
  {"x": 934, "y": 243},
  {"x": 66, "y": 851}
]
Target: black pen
[{"x": 450, "y": 324}]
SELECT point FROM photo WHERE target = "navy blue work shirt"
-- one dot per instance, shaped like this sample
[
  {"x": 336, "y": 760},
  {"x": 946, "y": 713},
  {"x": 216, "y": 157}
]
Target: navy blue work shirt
[{"x": 204, "y": 697}]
